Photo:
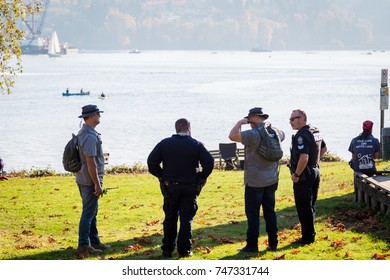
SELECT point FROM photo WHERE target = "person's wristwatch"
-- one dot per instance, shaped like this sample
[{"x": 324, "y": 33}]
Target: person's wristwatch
[{"x": 296, "y": 175}]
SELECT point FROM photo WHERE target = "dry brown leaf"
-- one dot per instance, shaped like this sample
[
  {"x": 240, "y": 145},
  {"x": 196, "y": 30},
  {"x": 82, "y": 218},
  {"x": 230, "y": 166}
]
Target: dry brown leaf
[
  {"x": 144, "y": 240},
  {"x": 337, "y": 243},
  {"x": 51, "y": 239},
  {"x": 381, "y": 256},
  {"x": 356, "y": 238},
  {"x": 135, "y": 247},
  {"x": 152, "y": 223}
]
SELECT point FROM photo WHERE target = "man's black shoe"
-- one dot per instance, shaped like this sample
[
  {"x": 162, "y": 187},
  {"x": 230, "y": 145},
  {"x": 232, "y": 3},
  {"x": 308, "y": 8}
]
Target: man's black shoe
[
  {"x": 167, "y": 254},
  {"x": 247, "y": 249},
  {"x": 272, "y": 248},
  {"x": 300, "y": 241},
  {"x": 185, "y": 255}
]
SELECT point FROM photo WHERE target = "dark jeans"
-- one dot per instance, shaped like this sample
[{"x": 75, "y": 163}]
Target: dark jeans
[
  {"x": 88, "y": 233},
  {"x": 254, "y": 198},
  {"x": 180, "y": 202},
  {"x": 305, "y": 195}
]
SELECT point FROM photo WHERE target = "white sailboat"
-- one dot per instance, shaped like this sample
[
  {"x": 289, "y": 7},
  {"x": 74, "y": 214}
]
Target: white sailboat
[{"x": 54, "y": 46}]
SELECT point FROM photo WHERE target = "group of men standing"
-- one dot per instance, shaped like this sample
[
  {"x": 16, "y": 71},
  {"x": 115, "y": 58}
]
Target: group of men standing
[{"x": 182, "y": 165}]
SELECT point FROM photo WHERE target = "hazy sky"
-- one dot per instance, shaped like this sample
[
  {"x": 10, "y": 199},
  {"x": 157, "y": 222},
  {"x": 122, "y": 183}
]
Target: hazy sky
[{"x": 220, "y": 24}]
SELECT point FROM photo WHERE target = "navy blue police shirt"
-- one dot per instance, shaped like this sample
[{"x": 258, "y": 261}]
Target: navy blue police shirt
[
  {"x": 180, "y": 156},
  {"x": 303, "y": 142}
]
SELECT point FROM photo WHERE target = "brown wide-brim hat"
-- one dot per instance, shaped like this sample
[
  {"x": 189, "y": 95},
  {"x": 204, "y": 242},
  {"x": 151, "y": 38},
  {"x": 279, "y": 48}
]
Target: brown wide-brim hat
[{"x": 257, "y": 111}]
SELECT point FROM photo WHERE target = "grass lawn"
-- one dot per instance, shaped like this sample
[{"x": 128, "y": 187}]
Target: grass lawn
[{"x": 39, "y": 219}]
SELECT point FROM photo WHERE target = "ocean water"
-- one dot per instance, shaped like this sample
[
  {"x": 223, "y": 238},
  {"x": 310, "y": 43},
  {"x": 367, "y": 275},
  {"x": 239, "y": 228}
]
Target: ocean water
[{"x": 148, "y": 92}]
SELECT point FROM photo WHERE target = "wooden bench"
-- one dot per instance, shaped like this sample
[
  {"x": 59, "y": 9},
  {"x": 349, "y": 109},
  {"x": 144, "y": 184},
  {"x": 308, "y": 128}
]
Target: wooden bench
[{"x": 373, "y": 191}]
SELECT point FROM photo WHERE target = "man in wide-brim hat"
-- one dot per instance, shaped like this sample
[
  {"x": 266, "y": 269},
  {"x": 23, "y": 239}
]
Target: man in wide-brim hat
[{"x": 89, "y": 180}]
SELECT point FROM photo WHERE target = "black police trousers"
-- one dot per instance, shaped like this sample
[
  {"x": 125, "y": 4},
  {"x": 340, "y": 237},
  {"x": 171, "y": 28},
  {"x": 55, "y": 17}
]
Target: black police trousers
[
  {"x": 305, "y": 195},
  {"x": 179, "y": 202}
]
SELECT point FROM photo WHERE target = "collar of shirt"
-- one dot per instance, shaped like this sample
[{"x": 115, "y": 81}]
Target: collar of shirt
[{"x": 183, "y": 134}]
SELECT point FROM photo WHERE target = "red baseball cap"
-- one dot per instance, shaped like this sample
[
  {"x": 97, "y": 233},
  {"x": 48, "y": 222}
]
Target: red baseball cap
[{"x": 367, "y": 125}]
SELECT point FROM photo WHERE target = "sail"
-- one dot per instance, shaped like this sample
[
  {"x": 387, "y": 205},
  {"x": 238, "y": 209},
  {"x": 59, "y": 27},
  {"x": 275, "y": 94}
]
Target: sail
[{"x": 54, "y": 46}]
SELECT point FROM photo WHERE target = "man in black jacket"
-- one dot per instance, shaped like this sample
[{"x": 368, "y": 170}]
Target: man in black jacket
[{"x": 181, "y": 180}]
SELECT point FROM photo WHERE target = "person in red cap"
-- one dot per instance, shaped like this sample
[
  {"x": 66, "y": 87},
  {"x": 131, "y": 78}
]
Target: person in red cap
[{"x": 364, "y": 148}]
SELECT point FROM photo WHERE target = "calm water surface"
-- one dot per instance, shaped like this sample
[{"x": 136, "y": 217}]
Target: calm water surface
[{"x": 148, "y": 92}]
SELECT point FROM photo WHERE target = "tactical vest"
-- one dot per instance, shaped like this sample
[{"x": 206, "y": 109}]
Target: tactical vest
[{"x": 314, "y": 156}]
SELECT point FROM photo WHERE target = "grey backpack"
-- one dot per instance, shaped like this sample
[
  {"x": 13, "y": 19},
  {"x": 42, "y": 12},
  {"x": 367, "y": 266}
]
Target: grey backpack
[{"x": 269, "y": 146}]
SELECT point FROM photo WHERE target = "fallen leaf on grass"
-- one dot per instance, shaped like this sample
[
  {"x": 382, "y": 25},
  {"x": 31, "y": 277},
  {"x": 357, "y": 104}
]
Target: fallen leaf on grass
[
  {"x": 55, "y": 215},
  {"x": 296, "y": 226},
  {"x": 295, "y": 251},
  {"x": 152, "y": 223},
  {"x": 51, "y": 239},
  {"x": 323, "y": 237},
  {"x": 82, "y": 255},
  {"x": 144, "y": 240},
  {"x": 337, "y": 243},
  {"x": 380, "y": 256},
  {"x": 356, "y": 238},
  {"x": 222, "y": 240},
  {"x": 29, "y": 246},
  {"x": 135, "y": 247},
  {"x": 136, "y": 206}
]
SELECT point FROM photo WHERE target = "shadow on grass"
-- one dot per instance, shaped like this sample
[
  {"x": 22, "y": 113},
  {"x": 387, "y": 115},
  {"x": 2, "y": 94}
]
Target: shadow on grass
[{"x": 332, "y": 211}]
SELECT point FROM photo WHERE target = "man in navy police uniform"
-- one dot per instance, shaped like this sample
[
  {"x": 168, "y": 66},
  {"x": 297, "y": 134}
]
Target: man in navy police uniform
[
  {"x": 181, "y": 180},
  {"x": 307, "y": 147}
]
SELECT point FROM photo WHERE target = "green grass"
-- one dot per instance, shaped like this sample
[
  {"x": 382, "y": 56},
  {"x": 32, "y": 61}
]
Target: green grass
[{"x": 40, "y": 219}]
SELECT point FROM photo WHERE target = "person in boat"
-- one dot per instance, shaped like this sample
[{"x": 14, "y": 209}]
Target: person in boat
[
  {"x": 67, "y": 90},
  {"x": 102, "y": 95},
  {"x": 81, "y": 90}
]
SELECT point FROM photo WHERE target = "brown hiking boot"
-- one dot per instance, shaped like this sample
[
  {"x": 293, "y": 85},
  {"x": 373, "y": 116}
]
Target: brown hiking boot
[
  {"x": 85, "y": 251},
  {"x": 101, "y": 246}
]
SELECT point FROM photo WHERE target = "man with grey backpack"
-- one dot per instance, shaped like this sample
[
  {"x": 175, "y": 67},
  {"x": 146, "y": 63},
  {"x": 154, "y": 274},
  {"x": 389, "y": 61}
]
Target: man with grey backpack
[
  {"x": 89, "y": 180},
  {"x": 261, "y": 175}
]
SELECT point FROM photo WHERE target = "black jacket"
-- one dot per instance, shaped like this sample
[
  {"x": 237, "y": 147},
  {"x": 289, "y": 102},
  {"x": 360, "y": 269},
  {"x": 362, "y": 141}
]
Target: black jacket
[{"x": 180, "y": 156}]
